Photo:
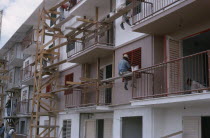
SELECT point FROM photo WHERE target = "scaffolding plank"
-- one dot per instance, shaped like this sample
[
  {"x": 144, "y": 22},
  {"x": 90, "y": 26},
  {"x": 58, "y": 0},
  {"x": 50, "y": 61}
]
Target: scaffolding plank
[{"x": 63, "y": 21}]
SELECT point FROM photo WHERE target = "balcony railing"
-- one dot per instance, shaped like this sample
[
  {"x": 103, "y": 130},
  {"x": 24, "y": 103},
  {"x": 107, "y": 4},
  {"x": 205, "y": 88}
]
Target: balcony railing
[
  {"x": 149, "y": 8},
  {"x": 24, "y": 107},
  {"x": 29, "y": 39},
  {"x": 103, "y": 39},
  {"x": 27, "y": 73},
  {"x": 89, "y": 96},
  {"x": 184, "y": 75}
]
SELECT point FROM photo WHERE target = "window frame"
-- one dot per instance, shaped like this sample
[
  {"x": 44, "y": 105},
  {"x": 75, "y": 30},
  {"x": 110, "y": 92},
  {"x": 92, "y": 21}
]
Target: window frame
[{"x": 66, "y": 128}]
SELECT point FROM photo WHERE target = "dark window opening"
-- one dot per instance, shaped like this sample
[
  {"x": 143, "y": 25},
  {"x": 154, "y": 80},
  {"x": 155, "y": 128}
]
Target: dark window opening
[
  {"x": 22, "y": 127},
  {"x": 70, "y": 46},
  {"x": 132, "y": 127},
  {"x": 100, "y": 128},
  {"x": 196, "y": 67}
]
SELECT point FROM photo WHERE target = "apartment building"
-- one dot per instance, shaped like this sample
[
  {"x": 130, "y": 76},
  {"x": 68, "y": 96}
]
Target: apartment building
[{"x": 82, "y": 94}]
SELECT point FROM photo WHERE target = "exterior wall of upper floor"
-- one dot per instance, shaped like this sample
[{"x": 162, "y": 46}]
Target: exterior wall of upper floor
[
  {"x": 77, "y": 72},
  {"x": 147, "y": 59}
]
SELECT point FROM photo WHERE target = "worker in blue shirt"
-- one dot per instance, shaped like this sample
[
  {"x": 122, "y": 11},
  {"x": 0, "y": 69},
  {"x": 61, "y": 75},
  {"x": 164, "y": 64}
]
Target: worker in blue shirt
[{"x": 123, "y": 68}]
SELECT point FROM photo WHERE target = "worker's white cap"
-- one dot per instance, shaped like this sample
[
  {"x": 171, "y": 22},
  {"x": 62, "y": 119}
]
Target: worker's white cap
[{"x": 126, "y": 56}]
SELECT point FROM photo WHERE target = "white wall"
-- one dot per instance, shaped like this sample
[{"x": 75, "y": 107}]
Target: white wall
[
  {"x": 146, "y": 113},
  {"x": 169, "y": 120}
]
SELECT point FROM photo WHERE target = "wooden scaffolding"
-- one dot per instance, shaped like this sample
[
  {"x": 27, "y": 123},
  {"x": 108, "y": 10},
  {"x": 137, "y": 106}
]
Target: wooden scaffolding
[
  {"x": 44, "y": 105},
  {"x": 3, "y": 77}
]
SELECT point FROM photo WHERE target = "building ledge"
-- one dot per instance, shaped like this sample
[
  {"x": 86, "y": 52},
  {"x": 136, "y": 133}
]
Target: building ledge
[
  {"x": 91, "y": 109},
  {"x": 171, "y": 100}
]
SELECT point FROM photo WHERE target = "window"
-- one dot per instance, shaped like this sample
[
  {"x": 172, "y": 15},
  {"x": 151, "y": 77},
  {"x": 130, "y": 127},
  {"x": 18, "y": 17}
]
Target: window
[
  {"x": 26, "y": 67},
  {"x": 10, "y": 77},
  {"x": 105, "y": 73},
  {"x": 67, "y": 129},
  {"x": 54, "y": 17},
  {"x": 22, "y": 127},
  {"x": 132, "y": 126},
  {"x": 135, "y": 57},
  {"x": 69, "y": 77},
  {"x": 100, "y": 128},
  {"x": 70, "y": 46}
]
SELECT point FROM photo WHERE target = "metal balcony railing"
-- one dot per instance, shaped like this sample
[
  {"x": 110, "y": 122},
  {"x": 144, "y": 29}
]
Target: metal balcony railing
[
  {"x": 27, "y": 73},
  {"x": 149, "y": 8},
  {"x": 24, "y": 107},
  {"x": 88, "y": 96},
  {"x": 29, "y": 39},
  {"x": 105, "y": 39},
  {"x": 184, "y": 75}
]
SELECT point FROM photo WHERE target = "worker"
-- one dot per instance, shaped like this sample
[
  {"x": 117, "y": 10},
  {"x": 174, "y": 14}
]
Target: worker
[
  {"x": 2, "y": 129},
  {"x": 72, "y": 4},
  {"x": 124, "y": 68},
  {"x": 11, "y": 132},
  {"x": 126, "y": 16},
  {"x": 194, "y": 86},
  {"x": 62, "y": 8},
  {"x": 8, "y": 106}
]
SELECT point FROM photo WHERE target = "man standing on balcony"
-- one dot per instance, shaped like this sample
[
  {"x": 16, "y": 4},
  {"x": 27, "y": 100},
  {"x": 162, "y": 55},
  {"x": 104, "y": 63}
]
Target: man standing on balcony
[
  {"x": 124, "y": 68},
  {"x": 8, "y": 106}
]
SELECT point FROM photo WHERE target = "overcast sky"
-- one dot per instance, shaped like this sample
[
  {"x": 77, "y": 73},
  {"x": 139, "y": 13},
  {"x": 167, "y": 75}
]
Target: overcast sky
[{"x": 15, "y": 13}]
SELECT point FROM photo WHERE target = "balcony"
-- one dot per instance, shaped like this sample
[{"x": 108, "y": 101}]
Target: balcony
[
  {"x": 89, "y": 8},
  {"x": 96, "y": 46},
  {"x": 27, "y": 75},
  {"x": 24, "y": 107},
  {"x": 181, "y": 80},
  {"x": 29, "y": 43},
  {"x": 167, "y": 16},
  {"x": 16, "y": 59},
  {"x": 88, "y": 96},
  {"x": 14, "y": 79}
]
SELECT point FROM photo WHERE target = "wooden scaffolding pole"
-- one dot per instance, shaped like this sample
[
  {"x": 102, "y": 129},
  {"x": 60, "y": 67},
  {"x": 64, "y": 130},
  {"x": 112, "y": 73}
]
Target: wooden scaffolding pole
[{"x": 45, "y": 106}]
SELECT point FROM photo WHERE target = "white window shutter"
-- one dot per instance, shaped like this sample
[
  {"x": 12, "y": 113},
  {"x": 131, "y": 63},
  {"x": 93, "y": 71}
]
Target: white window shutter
[
  {"x": 108, "y": 128},
  {"x": 174, "y": 68},
  {"x": 191, "y": 127},
  {"x": 90, "y": 129}
]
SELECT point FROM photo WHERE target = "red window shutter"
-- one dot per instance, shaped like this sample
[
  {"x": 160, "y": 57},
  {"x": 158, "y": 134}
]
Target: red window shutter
[
  {"x": 134, "y": 57},
  {"x": 48, "y": 88},
  {"x": 69, "y": 77}
]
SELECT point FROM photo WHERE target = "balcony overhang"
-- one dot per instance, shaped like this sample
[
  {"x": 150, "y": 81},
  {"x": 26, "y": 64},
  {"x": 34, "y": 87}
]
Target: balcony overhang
[
  {"x": 176, "y": 100},
  {"x": 83, "y": 7},
  {"x": 91, "y": 109},
  {"x": 184, "y": 14},
  {"x": 17, "y": 62},
  {"x": 31, "y": 50},
  {"x": 91, "y": 54},
  {"x": 28, "y": 81}
]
